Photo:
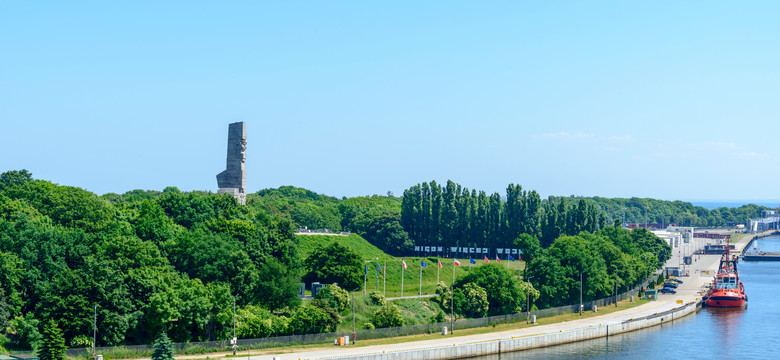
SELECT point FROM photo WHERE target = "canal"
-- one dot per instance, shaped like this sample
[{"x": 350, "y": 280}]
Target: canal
[{"x": 751, "y": 333}]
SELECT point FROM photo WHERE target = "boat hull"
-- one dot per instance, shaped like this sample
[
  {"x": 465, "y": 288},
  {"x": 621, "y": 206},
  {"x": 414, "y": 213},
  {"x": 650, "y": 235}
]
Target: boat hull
[{"x": 726, "y": 299}]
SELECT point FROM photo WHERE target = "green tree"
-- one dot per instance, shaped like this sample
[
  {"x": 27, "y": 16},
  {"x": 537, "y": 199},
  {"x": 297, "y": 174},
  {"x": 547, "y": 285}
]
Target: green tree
[
  {"x": 501, "y": 285},
  {"x": 387, "y": 316},
  {"x": 335, "y": 263},
  {"x": 53, "y": 343},
  {"x": 333, "y": 296},
  {"x": 163, "y": 348},
  {"x": 471, "y": 300}
]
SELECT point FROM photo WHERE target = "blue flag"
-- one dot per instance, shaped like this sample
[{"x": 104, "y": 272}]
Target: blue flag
[
  {"x": 511, "y": 258},
  {"x": 423, "y": 264},
  {"x": 378, "y": 267},
  {"x": 366, "y": 269},
  {"x": 472, "y": 261}
]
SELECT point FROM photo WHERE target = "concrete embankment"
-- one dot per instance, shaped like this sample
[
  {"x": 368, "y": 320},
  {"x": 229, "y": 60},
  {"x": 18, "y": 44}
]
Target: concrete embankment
[{"x": 479, "y": 348}]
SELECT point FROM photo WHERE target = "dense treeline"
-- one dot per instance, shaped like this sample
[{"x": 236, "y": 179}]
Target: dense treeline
[
  {"x": 640, "y": 210},
  {"x": 150, "y": 261},
  {"x": 612, "y": 259},
  {"x": 452, "y": 215}
]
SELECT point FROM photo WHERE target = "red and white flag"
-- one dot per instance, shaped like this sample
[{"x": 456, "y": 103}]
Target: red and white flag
[
  {"x": 497, "y": 259},
  {"x": 486, "y": 260},
  {"x": 440, "y": 264},
  {"x": 403, "y": 263},
  {"x": 457, "y": 263},
  {"x": 520, "y": 257}
]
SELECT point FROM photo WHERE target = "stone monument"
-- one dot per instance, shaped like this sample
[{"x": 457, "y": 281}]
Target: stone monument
[{"x": 233, "y": 179}]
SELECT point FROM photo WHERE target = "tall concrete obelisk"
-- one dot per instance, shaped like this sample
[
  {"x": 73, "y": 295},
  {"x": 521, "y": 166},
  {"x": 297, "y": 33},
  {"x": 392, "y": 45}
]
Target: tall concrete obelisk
[{"x": 233, "y": 179}]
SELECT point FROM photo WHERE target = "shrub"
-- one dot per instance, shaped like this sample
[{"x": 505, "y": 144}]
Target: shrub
[
  {"x": 311, "y": 320},
  {"x": 444, "y": 294},
  {"x": 437, "y": 318},
  {"x": 81, "y": 341},
  {"x": 26, "y": 331},
  {"x": 377, "y": 298},
  {"x": 369, "y": 326},
  {"x": 388, "y": 316},
  {"x": 333, "y": 296}
]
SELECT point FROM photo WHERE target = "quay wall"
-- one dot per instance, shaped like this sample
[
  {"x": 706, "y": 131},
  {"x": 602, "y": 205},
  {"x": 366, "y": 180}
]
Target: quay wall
[{"x": 474, "y": 349}]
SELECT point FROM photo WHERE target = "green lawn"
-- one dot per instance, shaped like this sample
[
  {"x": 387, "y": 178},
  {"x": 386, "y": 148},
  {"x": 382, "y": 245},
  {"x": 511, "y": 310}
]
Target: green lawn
[{"x": 309, "y": 242}]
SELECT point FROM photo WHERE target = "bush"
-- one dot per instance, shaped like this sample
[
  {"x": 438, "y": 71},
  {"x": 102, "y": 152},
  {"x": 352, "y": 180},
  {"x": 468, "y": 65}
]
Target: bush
[
  {"x": 81, "y": 341},
  {"x": 377, "y": 298},
  {"x": 388, "y": 316},
  {"x": 369, "y": 326},
  {"x": 310, "y": 319},
  {"x": 26, "y": 329},
  {"x": 256, "y": 322},
  {"x": 471, "y": 301},
  {"x": 444, "y": 294},
  {"x": 437, "y": 318},
  {"x": 334, "y": 296}
]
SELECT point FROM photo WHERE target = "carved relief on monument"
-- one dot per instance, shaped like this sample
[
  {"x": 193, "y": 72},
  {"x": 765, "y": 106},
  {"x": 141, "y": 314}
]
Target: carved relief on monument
[{"x": 233, "y": 179}]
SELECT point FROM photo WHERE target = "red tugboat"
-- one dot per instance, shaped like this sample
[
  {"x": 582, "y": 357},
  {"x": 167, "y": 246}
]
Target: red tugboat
[{"x": 727, "y": 291}]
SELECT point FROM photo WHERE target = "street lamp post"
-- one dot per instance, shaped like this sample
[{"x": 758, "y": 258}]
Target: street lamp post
[
  {"x": 528, "y": 304},
  {"x": 452, "y": 309},
  {"x": 94, "y": 332},
  {"x": 235, "y": 342},
  {"x": 581, "y": 292}
]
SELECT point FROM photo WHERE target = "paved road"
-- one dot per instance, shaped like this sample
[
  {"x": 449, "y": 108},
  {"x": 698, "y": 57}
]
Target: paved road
[{"x": 690, "y": 291}]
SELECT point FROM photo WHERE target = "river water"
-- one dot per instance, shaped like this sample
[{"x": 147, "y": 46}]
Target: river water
[{"x": 751, "y": 333}]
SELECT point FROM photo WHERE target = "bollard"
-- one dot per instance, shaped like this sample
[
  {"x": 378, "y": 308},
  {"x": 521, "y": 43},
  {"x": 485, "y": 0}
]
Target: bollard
[
  {"x": 444, "y": 330},
  {"x": 533, "y": 319},
  {"x": 595, "y": 308}
]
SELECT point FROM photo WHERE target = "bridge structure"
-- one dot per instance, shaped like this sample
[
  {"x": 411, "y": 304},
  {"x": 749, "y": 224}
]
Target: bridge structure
[{"x": 764, "y": 224}]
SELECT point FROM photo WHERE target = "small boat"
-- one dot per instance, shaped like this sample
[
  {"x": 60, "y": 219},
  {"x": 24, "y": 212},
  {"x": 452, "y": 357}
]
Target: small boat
[{"x": 727, "y": 290}]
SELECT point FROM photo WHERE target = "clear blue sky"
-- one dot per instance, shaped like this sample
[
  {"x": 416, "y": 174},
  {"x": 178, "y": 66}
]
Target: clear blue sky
[{"x": 663, "y": 99}]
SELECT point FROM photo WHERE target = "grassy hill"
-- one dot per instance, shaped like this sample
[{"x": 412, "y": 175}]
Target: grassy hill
[{"x": 367, "y": 251}]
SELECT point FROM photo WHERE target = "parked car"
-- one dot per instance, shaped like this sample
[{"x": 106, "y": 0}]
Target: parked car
[
  {"x": 670, "y": 284},
  {"x": 676, "y": 280},
  {"x": 668, "y": 290}
]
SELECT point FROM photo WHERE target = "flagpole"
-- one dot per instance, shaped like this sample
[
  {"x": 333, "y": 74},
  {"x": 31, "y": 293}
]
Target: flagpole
[
  {"x": 438, "y": 268},
  {"x": 384, "y": 279},
  {"x": 420, "y": 293},
  {"x": 365, "y": 278},
  {"x": 402, "y": 280}
]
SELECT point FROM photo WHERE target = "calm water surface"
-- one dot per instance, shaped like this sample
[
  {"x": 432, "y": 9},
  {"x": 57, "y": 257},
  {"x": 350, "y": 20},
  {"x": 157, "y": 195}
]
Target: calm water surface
[{"x": 752, "y": 333}]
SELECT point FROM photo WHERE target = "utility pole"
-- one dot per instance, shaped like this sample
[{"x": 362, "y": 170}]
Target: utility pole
[{"x": 94, "y": 332}]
